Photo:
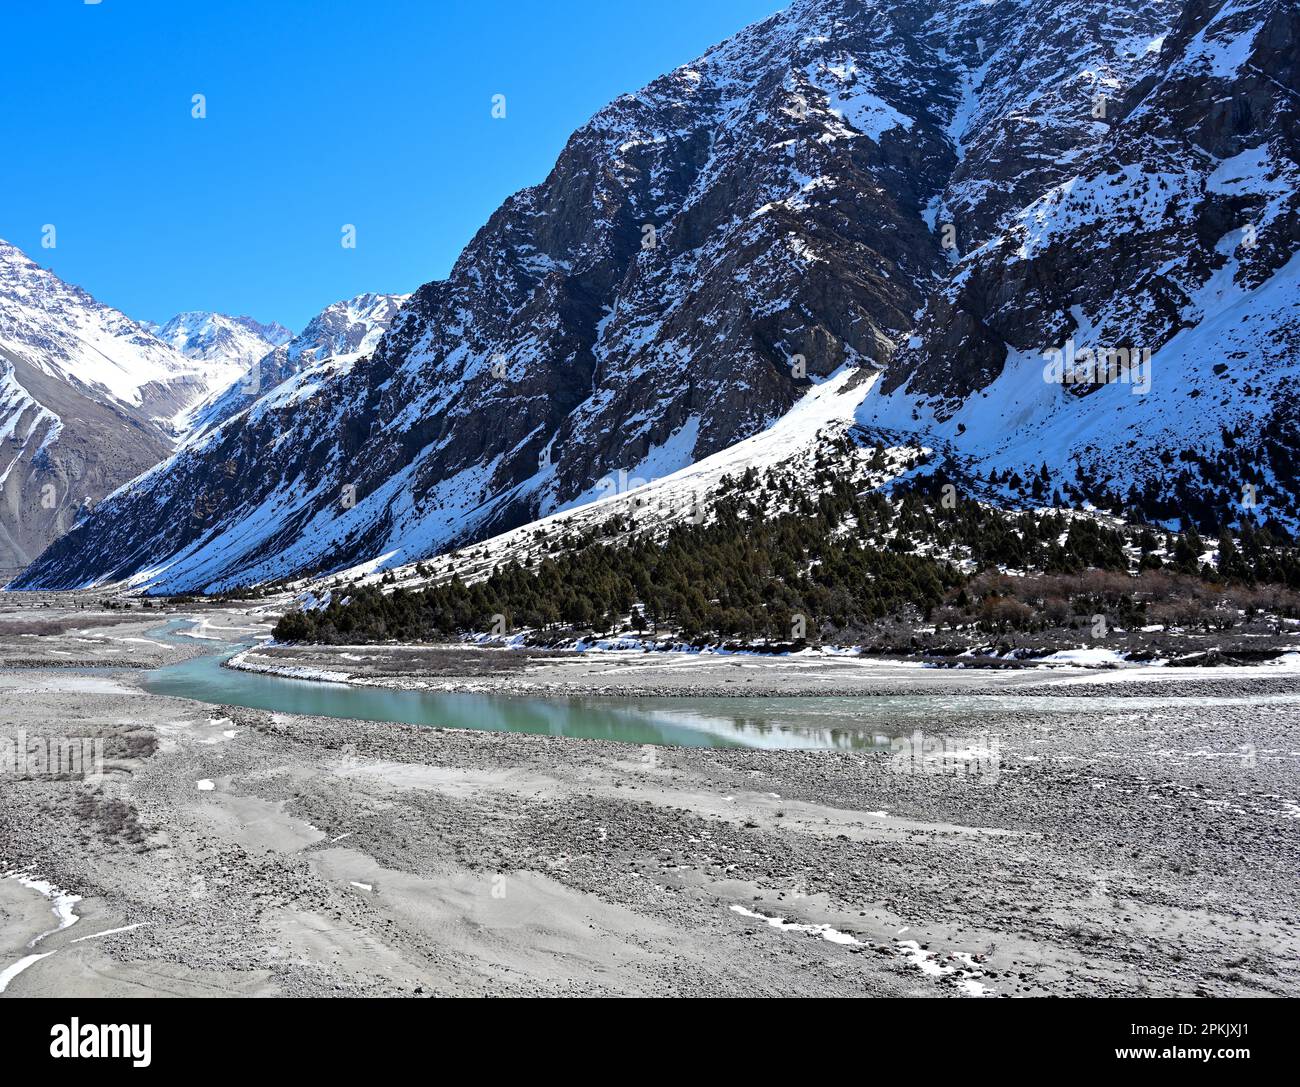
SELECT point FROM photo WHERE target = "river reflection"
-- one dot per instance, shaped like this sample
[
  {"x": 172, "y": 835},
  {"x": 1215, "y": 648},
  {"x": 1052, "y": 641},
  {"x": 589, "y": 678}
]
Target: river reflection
[{"x": 858, "y": 723}]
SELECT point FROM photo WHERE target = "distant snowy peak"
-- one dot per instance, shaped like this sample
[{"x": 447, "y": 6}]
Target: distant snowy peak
[
  {"x": 338, "y": 335},
  {"x": 351, "y": 327},
  {"x": 215, "y": 337},
  {"x": 274, "y": 333}
]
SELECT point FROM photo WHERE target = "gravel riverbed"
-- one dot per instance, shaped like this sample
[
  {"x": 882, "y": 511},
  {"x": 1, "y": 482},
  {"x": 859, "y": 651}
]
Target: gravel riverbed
[{"x": 236, "y": 851}]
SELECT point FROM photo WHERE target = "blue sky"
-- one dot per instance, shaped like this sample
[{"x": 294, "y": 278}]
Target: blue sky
[{"x": 319, "y": 113}]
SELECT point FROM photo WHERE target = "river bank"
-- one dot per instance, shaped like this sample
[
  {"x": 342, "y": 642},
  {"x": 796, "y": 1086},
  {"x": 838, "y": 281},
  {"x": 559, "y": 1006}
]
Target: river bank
[
  {"x": 1149, "y": 852},
  {"x": 635, "y": 673}
]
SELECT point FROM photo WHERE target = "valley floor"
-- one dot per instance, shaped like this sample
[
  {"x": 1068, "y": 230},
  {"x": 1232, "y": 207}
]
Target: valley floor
[{"x": 240, "y": 852}]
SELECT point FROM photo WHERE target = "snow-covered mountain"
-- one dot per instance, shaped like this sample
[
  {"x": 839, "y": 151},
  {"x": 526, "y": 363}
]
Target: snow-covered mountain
[
  {"x": 234, "y": 342},
  {"x": 68, "y": 335},
  {"x": 1134, "y": 326},
  {"x": 944, "y": 192},
  {"x": 333, "y": 340},
  {"x": 87, "y": 397},
  {"x": 351, "y": 327}
]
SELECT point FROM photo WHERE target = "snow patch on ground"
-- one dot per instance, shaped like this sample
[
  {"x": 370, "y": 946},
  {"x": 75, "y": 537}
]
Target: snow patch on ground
[{"x": 825, "y": 932}]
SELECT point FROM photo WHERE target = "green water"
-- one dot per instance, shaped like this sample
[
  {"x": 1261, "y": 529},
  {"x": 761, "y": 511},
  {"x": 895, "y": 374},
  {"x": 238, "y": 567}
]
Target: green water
[
  {"x": 664, "y": 722},
  {"x": 863, "y": 723}
]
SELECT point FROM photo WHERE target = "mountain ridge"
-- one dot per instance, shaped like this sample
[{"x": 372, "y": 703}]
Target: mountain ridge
[
  {"x": 846, "y": 183},
  {"x": 339, "y": 334}
]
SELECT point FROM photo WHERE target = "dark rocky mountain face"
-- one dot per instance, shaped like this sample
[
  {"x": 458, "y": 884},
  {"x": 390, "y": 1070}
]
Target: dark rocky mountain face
[
  {"x": 1139, "y": 219},
  {"x": 1174, "y": 240},
  {"x": 843, "y": 180}
]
